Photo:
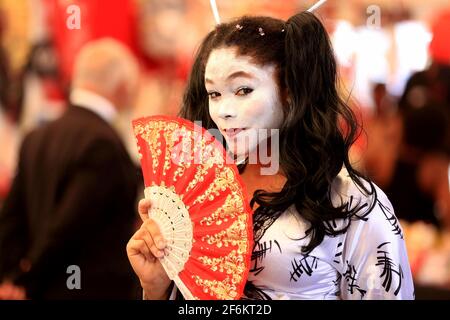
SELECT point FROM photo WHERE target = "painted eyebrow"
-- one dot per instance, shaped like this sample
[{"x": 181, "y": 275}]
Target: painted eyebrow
[{"x": 237, "y": 74}]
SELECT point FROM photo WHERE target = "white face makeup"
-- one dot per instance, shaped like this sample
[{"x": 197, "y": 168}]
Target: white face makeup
[{"x": 243, "y": 98}]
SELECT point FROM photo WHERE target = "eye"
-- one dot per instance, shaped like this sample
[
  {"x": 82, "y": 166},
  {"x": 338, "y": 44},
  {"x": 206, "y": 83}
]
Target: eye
[
  {"x": 244, "y": 91},
  {"x": 213, "y": 95}
]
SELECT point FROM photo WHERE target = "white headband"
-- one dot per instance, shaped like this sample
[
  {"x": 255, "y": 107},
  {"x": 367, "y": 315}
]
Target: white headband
[
  {"x": 316, "y": 6},
  {"x": 215, "y": 10}
]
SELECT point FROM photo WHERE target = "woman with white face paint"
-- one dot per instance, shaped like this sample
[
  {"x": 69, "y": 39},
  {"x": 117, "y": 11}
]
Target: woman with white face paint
[{"x": 322, "y": 230}]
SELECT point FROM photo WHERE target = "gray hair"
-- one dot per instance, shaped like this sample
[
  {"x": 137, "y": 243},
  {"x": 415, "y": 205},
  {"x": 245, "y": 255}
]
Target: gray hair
[{"x": 104, "y": 64}]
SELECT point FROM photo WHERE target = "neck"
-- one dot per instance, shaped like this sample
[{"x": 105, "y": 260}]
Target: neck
[
  {"x": 266, "y": 157},
  {"x": 254, "y": 179}
]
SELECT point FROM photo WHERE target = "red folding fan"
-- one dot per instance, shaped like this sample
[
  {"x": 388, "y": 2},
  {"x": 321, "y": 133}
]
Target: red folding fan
[{"x": 200, "y": 205}]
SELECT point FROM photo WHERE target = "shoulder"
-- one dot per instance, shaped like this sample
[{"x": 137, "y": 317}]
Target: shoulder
[
  {"x": 366, "y": 201},
  {"x": 74, "y": 123},
  {"x": 87, "y": 130},
  {"x": 372, "y": 221},
  {"x": 85, "y": 122},
  {"x": 76, "y": 139},
  {"x": 345, "y": 189}
]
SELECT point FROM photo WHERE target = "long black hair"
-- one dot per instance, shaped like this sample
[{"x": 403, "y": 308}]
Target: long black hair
[{"x": 319, "y": 127}]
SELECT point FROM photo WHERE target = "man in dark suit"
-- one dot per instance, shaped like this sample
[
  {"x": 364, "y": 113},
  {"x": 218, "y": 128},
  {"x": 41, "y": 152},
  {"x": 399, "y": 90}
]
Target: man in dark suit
[{"x": 71, "y": 208}]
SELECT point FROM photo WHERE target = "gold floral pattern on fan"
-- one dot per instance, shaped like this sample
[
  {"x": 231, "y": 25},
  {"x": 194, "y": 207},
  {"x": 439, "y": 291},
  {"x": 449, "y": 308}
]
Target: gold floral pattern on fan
[
  {"x": 224, "y": 290},
  {"x": 227, "y": 210},
  {"x": 234, "y": 235},
  {"x": 231, "y": 264}
]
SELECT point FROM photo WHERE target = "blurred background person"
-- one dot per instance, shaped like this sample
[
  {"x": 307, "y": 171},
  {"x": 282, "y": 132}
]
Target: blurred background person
[
  {"x": 43, "y": 96},
  {"x": 383, "y": 129},
  {"x": 419, "y": 187},
  {"x": 72, "y": 201}
]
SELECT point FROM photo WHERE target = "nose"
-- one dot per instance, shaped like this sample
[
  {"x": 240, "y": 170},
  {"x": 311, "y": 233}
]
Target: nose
[{"x": 226, "y": 110}]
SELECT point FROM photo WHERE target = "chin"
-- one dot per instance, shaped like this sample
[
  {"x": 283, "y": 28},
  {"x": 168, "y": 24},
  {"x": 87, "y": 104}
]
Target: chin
[{"x": 240, "y": 153}]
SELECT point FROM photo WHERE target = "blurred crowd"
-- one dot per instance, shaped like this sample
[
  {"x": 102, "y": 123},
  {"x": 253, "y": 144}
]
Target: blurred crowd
[{"x": 394, "y": 63}]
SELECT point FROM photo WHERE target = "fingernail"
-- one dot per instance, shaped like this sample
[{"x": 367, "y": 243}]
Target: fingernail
[{"x": 161, "y": 244}]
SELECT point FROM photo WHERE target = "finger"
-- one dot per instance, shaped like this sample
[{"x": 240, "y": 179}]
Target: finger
[
  {"x": 151, "y": 244},
  {"x": 153, "y": 228},
  {"x": 143, "y": 207},
  {"x": 145, "y": 250},
  {"x": 138, "y": 247},
  {"x": 144, "y": 235}
]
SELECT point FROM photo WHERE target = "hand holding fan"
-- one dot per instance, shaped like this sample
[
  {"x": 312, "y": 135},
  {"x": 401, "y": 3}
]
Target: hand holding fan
[{"x": 200, "y": 205}]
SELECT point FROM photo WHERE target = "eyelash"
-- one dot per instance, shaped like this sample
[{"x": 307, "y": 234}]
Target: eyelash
[
  {"x": 246, "y": 91},
  {"x": 249, "y": 90},
  {"x": 211, "y": 95}
]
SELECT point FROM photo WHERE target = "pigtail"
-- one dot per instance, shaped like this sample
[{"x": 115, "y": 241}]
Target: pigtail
[
  {"x": 310, "y": 62},
  {"x": 314, "y": 105},
  {"x": 312, "y": 119}
]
